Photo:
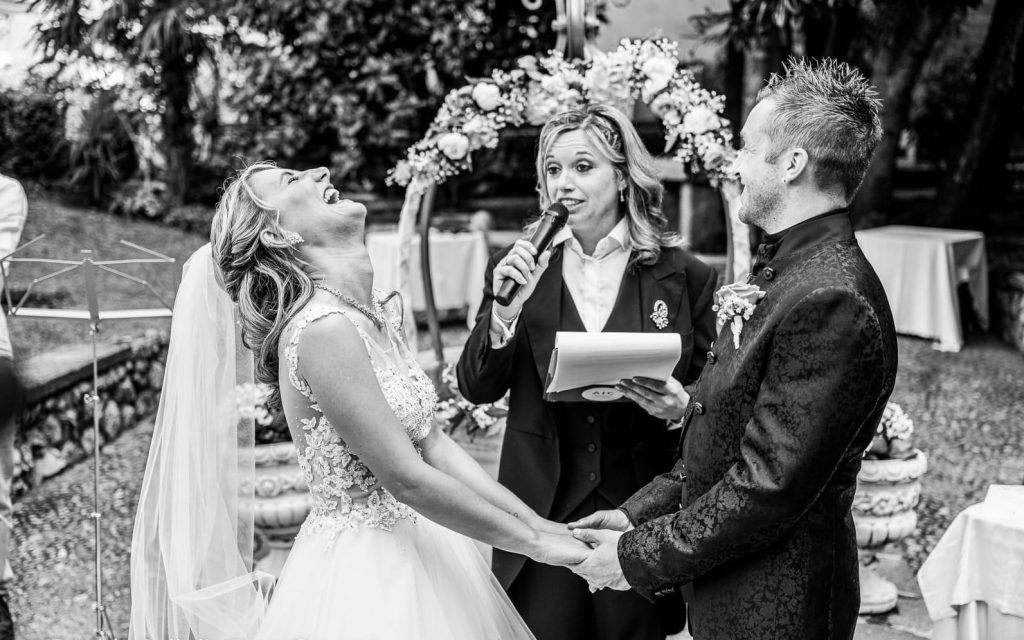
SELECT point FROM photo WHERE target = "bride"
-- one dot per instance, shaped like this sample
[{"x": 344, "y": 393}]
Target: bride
[{"x": 384, "y": 552}]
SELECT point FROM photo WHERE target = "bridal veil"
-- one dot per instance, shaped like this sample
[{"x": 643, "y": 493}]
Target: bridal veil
[{"x": 191, "y": 561}]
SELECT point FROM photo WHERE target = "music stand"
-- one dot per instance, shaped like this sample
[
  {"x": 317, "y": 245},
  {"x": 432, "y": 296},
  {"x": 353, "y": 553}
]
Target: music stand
[{"x": 94, "y": 316}]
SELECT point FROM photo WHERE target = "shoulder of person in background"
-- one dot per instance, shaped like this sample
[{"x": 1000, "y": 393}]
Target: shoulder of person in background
[{"x": 13, "y": 210}]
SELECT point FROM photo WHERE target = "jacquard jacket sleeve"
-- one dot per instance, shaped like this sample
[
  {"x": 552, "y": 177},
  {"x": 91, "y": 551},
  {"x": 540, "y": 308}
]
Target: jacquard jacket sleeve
[
  {"x": 484, "y": 373},
  {"x": 820, "y": 382},
  {"x": 659, "y": 496}
]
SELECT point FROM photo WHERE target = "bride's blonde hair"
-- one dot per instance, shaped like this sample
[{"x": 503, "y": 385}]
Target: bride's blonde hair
[{"x": 261, "y": 270}]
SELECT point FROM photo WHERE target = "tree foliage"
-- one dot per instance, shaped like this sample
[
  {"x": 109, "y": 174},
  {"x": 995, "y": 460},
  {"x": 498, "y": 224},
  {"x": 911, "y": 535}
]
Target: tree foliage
[
  {"x": 163, "y": 39},
  {"x": 352, "y": 84},
  {"x": 890, "y": 40}
]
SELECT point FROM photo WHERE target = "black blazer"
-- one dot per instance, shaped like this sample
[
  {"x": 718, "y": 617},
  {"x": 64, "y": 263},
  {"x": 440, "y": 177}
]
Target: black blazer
[
  {"x": 755, "y": 517},
  {"x": 530, "y": 458}
]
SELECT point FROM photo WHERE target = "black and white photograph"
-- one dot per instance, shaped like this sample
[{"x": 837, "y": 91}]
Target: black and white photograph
[{"x": 512, "y": 319}]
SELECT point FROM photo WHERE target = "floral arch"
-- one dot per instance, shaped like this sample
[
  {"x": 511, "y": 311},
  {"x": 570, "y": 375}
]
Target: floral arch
[{"x": 472, "y": 117}]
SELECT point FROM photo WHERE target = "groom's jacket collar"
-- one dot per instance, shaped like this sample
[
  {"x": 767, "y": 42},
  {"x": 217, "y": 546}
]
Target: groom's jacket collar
[{"x": 831, "y": 226}]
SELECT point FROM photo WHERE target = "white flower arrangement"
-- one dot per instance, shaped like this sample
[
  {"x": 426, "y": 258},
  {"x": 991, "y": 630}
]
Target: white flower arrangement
[
  {"x": 893, "y": 436},
  {"x": 734, "y": 305},
  {"x": 541, "y": 87},
  {"x": 453, "y": 410}
]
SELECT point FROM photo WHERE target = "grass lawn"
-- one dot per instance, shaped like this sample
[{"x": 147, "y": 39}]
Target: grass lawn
[{"x": 69, "y": 230}]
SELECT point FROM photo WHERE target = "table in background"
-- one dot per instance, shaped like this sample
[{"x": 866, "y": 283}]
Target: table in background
[
  {"x": 973, "y": 581},
  {"x": 457, "y": 264},
  {"x": 920, "y": 268}
]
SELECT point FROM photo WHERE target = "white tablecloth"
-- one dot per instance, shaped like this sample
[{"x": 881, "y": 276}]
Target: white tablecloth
[
  {"x": 973, "y": 581},
  {"x": 920, "y": 269},
  {"x": 457, "y": 263}
]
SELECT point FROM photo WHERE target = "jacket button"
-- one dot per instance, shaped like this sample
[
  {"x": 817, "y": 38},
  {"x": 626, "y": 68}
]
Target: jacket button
[
  {"x": 592, "y": 476},
  {"x": 591, "y": 447},
  {"x": 591, "y": 420},
  {"x": 712, "y": 358},
  {"x": 769, "y": 274},
  {"x": 699, "y": 408}
]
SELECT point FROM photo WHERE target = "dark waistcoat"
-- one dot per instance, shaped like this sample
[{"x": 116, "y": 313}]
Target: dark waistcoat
[{"x": 595, "y": 439}]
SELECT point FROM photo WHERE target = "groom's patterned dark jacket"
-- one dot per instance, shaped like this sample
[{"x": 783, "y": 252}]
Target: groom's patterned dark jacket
[{"x": 754, "y": 520}]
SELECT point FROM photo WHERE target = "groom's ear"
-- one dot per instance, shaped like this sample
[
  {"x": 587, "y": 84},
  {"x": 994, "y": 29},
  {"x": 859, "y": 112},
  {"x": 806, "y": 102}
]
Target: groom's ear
[{"x": 794, "y": 164}]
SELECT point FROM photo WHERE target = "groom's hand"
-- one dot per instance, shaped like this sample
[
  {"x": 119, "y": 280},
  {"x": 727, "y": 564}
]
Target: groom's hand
[
  {"x": 602, "y": 569},
  {"x": 614, "y": 519}
]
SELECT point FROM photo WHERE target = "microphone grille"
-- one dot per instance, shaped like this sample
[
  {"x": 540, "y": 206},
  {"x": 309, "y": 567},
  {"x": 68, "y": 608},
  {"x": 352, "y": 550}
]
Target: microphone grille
[{"x": 561, "y": 213}]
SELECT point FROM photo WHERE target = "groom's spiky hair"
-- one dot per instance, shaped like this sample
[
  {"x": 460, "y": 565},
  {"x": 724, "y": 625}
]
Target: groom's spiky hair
[{"x": 830, "y": 110}]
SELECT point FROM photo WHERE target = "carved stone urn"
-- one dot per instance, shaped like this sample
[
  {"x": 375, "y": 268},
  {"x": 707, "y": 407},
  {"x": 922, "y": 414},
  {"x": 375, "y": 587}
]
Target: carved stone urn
[
  {"x": 888, "y": 490},
  {"x": 282, "y": 502}
]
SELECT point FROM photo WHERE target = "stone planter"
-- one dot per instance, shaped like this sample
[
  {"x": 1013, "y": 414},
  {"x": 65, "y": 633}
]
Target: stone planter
[
  {"x": 888, "y": 490},
  {"x": 282, "y": 501}
]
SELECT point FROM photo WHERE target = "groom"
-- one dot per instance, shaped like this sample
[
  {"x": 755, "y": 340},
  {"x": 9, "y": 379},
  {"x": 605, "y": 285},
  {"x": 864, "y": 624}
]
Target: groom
[{"x": 754, "y": 519}]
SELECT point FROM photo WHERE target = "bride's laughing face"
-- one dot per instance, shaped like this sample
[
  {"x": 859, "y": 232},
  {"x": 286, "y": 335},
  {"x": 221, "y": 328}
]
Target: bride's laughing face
[{"x": 307, "y": 201}]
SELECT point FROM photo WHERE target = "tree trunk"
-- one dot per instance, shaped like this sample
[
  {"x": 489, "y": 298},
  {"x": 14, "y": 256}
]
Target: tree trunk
[
  {"x": 177, "y": 121},
  {"x": 994, "y": 92},
  {"x": 896, "y": 67}
]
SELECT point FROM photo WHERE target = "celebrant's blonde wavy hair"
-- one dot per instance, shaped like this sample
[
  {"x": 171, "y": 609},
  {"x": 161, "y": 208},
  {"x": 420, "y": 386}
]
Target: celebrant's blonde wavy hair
[
  {"x": 261, "y": 271},
  {"x": 615, "y": 137}
]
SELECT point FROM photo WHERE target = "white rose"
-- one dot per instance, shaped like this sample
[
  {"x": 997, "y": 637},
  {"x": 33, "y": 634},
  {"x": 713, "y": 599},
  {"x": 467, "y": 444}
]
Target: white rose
[
  {"x": 527, "y": 63},
  {"x": 714, "y": 156},
  {"x": 480, "y": 133},
  {"x": 453, "y": 145},
  {"x": 700, "y": 120},
  {"x": 541, "y": 108},
  {"x": 487, "y": 96},
  {"x": 659, "y": 71},
  {"x": 402, "y": 173}
]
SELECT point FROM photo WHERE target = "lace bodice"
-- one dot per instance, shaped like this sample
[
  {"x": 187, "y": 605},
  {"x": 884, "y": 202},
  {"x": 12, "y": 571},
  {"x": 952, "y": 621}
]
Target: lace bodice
[{"x": 346, "y": 495}]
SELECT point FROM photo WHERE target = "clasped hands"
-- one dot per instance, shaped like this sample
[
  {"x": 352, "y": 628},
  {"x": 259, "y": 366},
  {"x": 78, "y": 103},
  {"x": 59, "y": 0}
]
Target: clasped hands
[{"x": 589, "y": 547}]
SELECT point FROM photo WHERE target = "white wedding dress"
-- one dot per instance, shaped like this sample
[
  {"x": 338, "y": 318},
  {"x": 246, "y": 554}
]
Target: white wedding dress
[{"x": 365, "y": 566}]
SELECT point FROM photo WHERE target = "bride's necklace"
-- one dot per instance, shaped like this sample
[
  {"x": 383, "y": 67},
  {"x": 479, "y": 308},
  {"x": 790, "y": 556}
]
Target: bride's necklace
[{"x": 375, "y": 313}]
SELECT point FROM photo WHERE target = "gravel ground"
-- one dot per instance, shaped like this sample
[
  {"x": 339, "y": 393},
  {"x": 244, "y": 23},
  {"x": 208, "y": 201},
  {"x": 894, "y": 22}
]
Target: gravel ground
[{"x": 968, "y": 409}]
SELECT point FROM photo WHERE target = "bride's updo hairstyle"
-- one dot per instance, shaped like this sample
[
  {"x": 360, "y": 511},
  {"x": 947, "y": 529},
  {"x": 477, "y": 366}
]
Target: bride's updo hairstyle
[{"x": 262, "y": 272}]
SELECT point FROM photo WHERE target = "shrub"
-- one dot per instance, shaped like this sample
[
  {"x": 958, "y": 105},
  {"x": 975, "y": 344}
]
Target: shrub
[
  {"x": 190, "y": 217},
  {"x": 139, "y": 199},
  {"x": 102, "y": 153},
  {"x": 32, "y": 143}
]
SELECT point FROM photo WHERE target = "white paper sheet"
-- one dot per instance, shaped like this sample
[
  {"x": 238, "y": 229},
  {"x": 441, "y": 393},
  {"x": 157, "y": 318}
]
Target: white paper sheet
[{"x": 583, "y": 359}]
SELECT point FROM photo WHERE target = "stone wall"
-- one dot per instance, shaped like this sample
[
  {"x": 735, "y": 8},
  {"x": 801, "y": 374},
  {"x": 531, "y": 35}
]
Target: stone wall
[{"x": 56, "y": 428}]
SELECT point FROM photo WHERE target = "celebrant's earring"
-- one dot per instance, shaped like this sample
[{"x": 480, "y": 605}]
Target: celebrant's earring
[{"x": 622, "y": 195}]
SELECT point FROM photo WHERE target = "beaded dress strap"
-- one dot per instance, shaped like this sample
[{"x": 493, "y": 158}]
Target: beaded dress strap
[{"x": 291, "y": 351}]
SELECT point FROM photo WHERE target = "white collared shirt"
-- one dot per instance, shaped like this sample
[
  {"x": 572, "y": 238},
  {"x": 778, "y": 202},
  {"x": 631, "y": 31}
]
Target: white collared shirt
[{"x": 593, "y": 281}]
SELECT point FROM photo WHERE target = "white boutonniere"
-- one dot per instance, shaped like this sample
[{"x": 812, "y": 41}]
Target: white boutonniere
[
  {"x": 660, "y": 315},
  {"x": 735, "y": 304}
]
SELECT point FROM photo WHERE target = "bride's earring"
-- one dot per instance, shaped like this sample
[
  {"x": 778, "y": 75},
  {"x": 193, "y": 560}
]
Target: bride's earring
[
  {"x": 292, "y": 239},
  {"x": 622, "y": 195}
]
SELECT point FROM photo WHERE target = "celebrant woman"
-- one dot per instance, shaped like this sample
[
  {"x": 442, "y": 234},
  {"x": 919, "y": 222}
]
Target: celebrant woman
[{"x": 613, "y": 267}]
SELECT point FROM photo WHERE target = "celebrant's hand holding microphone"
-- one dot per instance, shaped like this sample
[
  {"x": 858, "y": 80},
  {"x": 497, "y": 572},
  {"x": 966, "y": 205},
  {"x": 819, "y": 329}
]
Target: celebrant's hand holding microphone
[{"x": 516, "y": 276}]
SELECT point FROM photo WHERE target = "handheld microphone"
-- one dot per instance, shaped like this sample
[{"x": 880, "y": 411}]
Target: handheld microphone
[{"x": 551, "y": 221}]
